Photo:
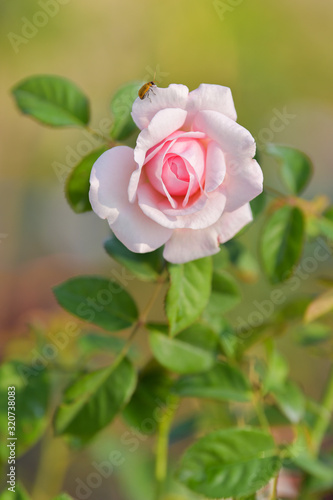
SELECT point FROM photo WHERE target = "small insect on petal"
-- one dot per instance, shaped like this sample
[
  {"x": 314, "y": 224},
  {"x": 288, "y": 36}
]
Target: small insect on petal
[{"x": 146, "y": 89}]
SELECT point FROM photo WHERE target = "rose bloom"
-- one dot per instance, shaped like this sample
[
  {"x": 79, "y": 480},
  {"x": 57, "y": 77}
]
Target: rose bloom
[{"x": 188, "y": 182}]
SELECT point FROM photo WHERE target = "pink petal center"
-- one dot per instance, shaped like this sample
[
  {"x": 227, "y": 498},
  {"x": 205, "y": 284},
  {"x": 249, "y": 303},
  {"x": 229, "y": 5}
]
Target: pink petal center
[{"x": 176, "y": 167}]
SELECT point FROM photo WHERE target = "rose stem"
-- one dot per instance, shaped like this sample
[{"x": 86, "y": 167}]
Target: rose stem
[
  {"x": 324, "y": 418},
  {"x": 162, "y": 445}
]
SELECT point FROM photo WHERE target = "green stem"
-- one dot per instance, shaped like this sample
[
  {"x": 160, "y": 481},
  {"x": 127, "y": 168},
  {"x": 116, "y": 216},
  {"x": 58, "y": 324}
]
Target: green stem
[
  {"x": 274, "y": 490},
  {"x": 323, "y": 420},
  {"x": 151, "y": 302},
  {"x": 257, "y": 403},
  {"x": 120, "y": 356},
  {"x": 91, "y": 131},
  {"x": 275, "y": 192},
  {"x": 48, "y": 479},
  {"x": 162, "y": 446},
  {"x": 141, "y": 321}
]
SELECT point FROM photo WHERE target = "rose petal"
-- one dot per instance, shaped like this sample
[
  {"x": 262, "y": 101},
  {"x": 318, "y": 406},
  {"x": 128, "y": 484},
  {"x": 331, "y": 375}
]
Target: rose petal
[
  {"x": 187, "y": 244},
  {"x": 232, "y": 137},
  {"x": 193, "y": 151},
  {"x": 242, "y": 183},
  {"x": 169, "y": 141},
  {"x": 197, "y": 202},
  {"x": 153, "y": 172},
  {"x": 164, "y": 123},
  {"x": 152, "y": 204},
  {"x": 215, "y": 167},
  {"x": 211, "y": 97},
  {"x": 174, "y": 175},
  {"x": 243, "y": 180},
  {"x": 232, "y": 222},
  {"x": 108, "y": 197},
  {"x": 174, "y": 96}
]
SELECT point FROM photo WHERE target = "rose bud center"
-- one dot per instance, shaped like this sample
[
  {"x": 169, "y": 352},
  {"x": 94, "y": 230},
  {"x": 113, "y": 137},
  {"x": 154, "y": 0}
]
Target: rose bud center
[{"x": 178, "y": 168}]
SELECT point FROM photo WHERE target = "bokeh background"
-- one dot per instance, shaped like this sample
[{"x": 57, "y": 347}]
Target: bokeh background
[{"x": 275, "y": 56}]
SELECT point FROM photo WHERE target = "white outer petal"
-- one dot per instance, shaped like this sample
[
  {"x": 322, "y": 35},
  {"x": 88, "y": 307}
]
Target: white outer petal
[
  {"x": 108, "y": 197},
  {"x": 232, "y": 137},
  {"x": 242, "y": 184},
  {"x": 244, "y": 179},
  {"x": 215, "y": 167},
  {"x": 174, "y": 96},
  {"x": 188, "y": 244},
  {"x": 232, "y": 222},
  {"x": 211, "y": 97}
]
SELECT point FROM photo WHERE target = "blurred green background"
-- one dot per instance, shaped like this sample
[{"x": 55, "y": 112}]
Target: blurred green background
[{"x": 275, "y": 56}]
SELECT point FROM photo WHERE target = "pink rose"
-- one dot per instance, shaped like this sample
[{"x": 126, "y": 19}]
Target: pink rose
[{"x": 188, "y": 182}]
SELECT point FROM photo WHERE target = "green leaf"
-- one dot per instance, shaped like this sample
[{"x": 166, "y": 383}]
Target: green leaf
[
  {"x": 225, "y": 294},
  {"x": 63, "y": 496},
  {"x": 202, "y": 336},
  {"x": 246, "y": 265},
  {"x": 323, "y": 224},
  {"x": 328, "y": 214},
  {"x": 290, "y": 400},
  {"x": 97, "y": 300},
  {"x": 312, "y": 334},
  {"x": 229, "y": 463},
  {"x": 190, "y": 286},
  {"x": 294, "y": 309},
  {"x": 313, "y": 466},
  {"x": 228, "y": 338},
  {"x": 19, "y": 494},
  {"x": 78, "y": 185},
  {"x": 179, "y": 356},
  {"x": 94, "y": 399},
  {"x": 296, "y": 167},
  {"x": 282, "y": 243},
  {"x": 319, "y": 482},
  {"x": 146, "y": 266},
  {"x": 300, "y": 456},
  {"x": 325, "y": 227},
  {"x": 121, "y": 107},
  {"x": 53, "y": 101},
  {"x": 274, "y": 416},
  {"x": 32, "y": 393},
  {"x": 223, "y": 382},
  {"x": 276, "y": 373},
  {"x": 258, "y": 204},
  {"x": 94, "y": 342},
  {"x": 149, "y": 398}
]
